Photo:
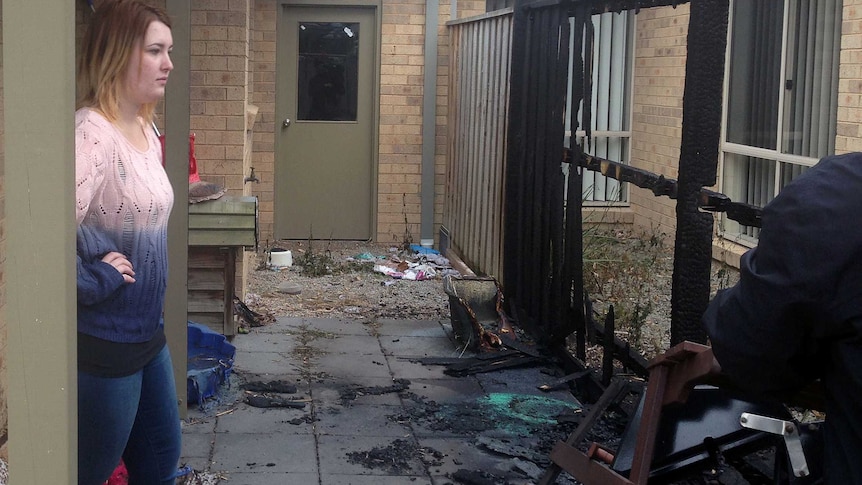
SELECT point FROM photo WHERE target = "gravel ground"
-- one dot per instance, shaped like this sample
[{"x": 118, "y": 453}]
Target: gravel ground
[
  {"x": 630, "y": 271},
  {"x": 351, "y": 290}
]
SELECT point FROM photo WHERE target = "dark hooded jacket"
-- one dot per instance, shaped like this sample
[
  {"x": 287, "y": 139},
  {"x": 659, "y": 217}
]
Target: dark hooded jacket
[{"x": 796, "y": 314}]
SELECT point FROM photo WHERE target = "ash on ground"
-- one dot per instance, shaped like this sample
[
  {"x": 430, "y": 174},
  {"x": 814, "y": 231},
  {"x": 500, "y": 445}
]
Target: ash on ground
[
  {"x": 399, "y": 458},
  {"x": 630, "y": 271}
]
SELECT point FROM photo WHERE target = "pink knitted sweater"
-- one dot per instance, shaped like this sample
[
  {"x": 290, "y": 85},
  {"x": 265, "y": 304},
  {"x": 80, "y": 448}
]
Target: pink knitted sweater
[{"x": 123, "y": 200}]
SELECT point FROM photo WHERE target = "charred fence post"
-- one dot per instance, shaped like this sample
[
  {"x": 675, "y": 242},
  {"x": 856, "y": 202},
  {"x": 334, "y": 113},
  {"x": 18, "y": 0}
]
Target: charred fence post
[
  {"x": 701, "y": 128},
  {"x": 608, "y": 350},
  {"x": 576, "y": 311},
  {"x": 536, "y": 288}
]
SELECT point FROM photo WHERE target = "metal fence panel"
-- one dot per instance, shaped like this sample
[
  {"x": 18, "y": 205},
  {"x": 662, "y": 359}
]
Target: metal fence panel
[{"x": 478, "y": 108}]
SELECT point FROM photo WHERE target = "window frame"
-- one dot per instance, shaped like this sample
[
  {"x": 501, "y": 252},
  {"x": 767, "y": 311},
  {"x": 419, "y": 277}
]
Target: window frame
[
  {"x": 624, "y": 114},
  {"x": 726, "y": 228}
]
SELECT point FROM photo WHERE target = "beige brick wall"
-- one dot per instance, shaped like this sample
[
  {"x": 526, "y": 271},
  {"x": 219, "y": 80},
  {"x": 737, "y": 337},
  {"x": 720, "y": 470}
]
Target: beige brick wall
[
  {"x": 849, "y": 138},
  {"x": 219, "y": 96},
  {"x": 659, "y": 80},
  {"x": 657, "y": 103},
  {"x": 263, "y": 96},
  {"x": 401, "y": 95},
  {"x": 219, "y": 89},
  {"x": 401, "y": 115}
]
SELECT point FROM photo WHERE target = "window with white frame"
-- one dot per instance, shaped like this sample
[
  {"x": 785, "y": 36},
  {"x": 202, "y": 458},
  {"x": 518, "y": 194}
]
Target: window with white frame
[
  {"x": 781, "y": 98},
  {"x": 611, "y": 79}
]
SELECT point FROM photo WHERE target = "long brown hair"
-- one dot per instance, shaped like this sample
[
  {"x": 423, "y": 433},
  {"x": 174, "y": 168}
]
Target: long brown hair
[{"x": 114, "y": 35}]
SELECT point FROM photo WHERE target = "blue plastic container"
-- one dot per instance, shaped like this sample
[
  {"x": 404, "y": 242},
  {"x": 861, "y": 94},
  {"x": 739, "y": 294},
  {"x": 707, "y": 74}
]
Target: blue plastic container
[{"x": 210, "y": 360}]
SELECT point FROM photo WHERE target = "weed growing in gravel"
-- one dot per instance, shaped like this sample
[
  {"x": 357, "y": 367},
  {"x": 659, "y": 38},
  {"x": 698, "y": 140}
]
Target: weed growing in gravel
[
  {"x": 407, "y": 239},
  {"x": 631, "y": 272},
  {"x": 314, "y": 263}
]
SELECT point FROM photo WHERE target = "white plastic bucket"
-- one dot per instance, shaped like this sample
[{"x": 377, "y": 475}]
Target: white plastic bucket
[{"x": 280, "y": 258}]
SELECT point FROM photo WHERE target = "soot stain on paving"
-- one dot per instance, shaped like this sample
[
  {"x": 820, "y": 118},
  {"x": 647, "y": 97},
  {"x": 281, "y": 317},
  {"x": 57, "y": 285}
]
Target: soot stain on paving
[
  {"x": 400, "y": 457},
  {"x": 349, "y": 394},
  {"x": 515, "y": 415},
  {"x": 528, "y": 425}
]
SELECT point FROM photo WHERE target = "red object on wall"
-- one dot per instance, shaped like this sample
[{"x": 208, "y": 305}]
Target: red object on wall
[{"x": 193, "y": 162}]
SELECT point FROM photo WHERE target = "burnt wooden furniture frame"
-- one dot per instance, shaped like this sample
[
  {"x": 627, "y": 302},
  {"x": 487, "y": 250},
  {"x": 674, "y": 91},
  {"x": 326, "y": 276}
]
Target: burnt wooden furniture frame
[{"x": 672, "y": 375}]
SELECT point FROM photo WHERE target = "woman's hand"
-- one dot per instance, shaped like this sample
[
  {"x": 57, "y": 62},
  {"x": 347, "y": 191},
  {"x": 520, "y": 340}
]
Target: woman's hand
[{"x": 122, "y": 264}]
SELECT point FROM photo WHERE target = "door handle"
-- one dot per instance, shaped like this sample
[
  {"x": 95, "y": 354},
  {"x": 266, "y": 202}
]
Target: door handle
[{"x": 285, "y": 123}]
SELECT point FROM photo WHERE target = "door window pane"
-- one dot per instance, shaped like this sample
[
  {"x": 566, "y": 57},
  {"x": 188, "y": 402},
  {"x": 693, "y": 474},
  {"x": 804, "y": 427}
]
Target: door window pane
[{"x": 328, "y": 71}]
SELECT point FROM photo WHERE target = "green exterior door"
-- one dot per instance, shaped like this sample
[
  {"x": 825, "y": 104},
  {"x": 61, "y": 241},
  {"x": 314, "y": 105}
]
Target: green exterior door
[{"x": 325, "y": 92}]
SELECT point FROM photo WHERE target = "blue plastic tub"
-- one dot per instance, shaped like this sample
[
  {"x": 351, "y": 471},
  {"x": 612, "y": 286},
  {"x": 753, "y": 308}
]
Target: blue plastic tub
[{"x": 210, "y": 360}]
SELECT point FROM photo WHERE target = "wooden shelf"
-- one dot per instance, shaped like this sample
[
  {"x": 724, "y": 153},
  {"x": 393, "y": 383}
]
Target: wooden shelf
[{"x": 226, "y": 221}]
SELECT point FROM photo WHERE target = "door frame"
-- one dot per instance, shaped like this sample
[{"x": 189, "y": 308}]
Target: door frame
[{"x": 377, "y": 6}]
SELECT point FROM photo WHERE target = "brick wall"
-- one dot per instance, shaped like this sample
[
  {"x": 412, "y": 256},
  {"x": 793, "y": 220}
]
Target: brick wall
[
  {"x": 849, "y": 137},
  {"x": 218, "y": 98},
  {"x": 219, "y": 89},
  {"x": 262, "y": 60},
  {"x": 401, "y": 94},
  {"x": 659, "y": 80},
  {"x": 401, "y": 97}
]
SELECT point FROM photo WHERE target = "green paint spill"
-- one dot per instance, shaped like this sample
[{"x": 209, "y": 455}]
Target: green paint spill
[
  {"x": 527, "y": 408},
  {"x": 514, "y": 414}
]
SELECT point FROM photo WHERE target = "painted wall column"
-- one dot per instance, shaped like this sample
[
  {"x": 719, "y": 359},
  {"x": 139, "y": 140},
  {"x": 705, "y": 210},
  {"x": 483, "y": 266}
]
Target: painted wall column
[
  {"x": 429, "y": 122},
  {"x": 41, "y": 306},
  {"x": 177, "y": 155}
]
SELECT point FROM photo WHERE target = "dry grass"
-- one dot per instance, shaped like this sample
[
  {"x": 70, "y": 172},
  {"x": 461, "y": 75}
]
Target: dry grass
[{"x": 634, "y": 273}]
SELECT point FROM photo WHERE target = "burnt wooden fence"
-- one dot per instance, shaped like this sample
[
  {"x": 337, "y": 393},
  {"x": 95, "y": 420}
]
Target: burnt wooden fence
[
  {"x": 540, "y": 259},
  {"x": 539, "y": 276},
  {"x": 542, "y": 240}
]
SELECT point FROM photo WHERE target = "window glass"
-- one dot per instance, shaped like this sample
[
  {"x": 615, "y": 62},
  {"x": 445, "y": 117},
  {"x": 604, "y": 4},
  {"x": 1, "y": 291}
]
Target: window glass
[
  {"x": 755, "y": 73},
  {"x": 811, "y": 81},
  {"x": 328, "y": 71},
  {"x": 611, "y": 119},
  {"x": 782, "y": 98}
]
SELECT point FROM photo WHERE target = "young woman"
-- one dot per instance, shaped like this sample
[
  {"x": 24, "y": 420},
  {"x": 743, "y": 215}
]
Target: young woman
[{"x": 127, "y": 404}]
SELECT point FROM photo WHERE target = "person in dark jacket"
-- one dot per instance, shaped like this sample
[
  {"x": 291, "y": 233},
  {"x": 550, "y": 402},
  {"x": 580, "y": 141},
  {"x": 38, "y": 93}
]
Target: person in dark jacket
[{"x": 795, "y": 316}]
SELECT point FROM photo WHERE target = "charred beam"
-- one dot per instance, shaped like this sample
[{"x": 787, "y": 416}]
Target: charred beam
[
  {"x": 698, "y": 163},
  {"x": 708, "y": 200},
  {"x": 608, "y": 348},
  {"x": 657, "y": 184},
  {"x": 503, "y": 360},
  {"x": 594, "y": 7},
  {"x": 745, "y": 214}
]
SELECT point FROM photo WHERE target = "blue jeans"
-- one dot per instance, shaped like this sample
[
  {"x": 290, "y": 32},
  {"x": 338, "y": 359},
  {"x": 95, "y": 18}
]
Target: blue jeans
[{"x": 134, "y": 417}]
